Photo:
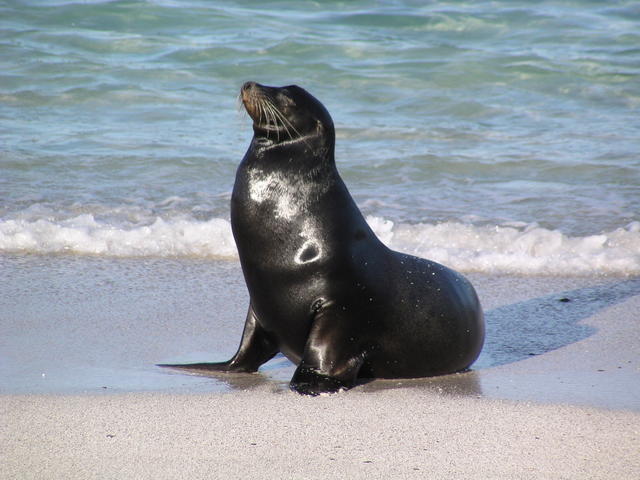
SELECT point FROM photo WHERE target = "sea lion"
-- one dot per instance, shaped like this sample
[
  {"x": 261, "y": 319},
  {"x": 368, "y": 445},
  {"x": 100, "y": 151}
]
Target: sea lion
[{"x": 324, "y": 290}]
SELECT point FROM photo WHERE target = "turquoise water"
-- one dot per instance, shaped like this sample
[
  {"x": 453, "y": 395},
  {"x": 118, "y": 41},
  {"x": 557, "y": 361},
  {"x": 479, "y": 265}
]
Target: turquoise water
[{"x": 491, "y": 136}]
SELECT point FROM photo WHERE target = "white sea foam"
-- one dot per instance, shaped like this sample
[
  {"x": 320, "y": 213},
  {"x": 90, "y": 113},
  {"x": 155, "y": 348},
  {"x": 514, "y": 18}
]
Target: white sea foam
[
  {"x": 516, "y": 248},
  {"x": 85, "y": 235},
  {"x": 510, "y": 248}
]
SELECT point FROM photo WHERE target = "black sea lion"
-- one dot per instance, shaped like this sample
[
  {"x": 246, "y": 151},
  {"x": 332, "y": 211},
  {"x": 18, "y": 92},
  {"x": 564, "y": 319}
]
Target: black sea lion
[{"x": 324, "y": 290}]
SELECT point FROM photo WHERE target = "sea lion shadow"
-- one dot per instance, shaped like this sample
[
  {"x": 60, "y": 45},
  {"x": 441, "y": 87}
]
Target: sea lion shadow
[
  {"x": 537, "y": 326},
  {"x": 239, "y": 381}
]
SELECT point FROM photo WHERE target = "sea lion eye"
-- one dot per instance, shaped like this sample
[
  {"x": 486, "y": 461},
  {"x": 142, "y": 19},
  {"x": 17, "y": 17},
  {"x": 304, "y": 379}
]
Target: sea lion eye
[{"x": 285, "y": 100}]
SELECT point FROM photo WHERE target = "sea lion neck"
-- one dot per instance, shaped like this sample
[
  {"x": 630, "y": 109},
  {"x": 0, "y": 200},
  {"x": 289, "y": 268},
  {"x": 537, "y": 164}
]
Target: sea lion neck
[{"x": 310, "y": 152}]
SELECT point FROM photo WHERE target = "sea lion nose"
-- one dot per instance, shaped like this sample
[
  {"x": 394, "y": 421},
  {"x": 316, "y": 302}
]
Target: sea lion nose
[{"x": 246, "y": 94}]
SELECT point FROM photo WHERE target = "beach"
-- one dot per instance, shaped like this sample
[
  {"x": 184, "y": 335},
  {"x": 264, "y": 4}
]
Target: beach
[
  {"x": 499, "y": 138},
  {"x": 82, "y": 398}
]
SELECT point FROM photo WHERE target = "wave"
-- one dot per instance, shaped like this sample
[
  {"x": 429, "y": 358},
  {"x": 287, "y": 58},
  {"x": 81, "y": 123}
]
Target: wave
[
  {"x": 516, "y": 248},
  {"x": 86, "y": 236},
  {"x": 511, "y": 248}
]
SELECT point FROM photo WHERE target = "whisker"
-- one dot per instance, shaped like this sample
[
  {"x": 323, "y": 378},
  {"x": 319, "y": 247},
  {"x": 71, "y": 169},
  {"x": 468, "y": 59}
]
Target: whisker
[
  {"x": 284, "y": 121},
  {"x": 279, "y": 115},
  {"x": 276, "y": 116},
  {"x": 268, "y": 117},
  {"x": 275, "y": 120},
  {"x": 262, "y": 117},
  {"x": 271, "y": 120}
]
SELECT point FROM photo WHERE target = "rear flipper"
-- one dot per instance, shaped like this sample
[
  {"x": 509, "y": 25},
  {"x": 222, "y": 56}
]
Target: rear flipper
[
  {"x": 256, "y": 347},
  {"x": 331, "y": 360}
]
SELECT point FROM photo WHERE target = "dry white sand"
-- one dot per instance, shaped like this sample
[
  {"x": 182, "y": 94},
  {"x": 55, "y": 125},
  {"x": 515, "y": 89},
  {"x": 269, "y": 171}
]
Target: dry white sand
[{"x": 400, "y": 433}]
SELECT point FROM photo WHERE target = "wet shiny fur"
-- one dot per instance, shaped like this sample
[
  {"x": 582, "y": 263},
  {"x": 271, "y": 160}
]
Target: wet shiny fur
[{"x": 324, "y": 290}]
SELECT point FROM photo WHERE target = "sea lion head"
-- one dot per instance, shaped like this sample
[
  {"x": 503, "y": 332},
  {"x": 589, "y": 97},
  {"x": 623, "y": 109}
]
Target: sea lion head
[{"x": 287, "y": 115}]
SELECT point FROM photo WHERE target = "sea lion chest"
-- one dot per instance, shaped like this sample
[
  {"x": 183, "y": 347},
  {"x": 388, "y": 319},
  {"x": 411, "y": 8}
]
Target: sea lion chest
[{"x": 281, "y": 235}]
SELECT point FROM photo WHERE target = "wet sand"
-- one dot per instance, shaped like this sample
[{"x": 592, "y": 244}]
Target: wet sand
[{"x": 556, "y": 393}]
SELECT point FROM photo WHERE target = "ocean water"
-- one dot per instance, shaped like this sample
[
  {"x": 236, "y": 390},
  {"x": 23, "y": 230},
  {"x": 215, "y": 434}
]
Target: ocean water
[{"x": 495, "y": 137}]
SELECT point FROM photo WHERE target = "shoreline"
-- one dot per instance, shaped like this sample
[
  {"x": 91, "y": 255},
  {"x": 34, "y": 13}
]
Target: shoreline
[{"x": 79, "y": 325}]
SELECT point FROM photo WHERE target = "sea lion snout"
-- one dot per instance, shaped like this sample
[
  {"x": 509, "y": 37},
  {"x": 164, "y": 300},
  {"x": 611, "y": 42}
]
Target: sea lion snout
[
  {"x": 253, "y": 96},
  {"x": 247, "y": 94}
]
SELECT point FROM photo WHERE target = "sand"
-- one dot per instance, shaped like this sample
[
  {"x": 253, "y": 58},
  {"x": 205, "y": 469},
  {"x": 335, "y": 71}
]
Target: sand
[
  {"x": 556, "y": 393},
  {"x": 399, "y": 433}
]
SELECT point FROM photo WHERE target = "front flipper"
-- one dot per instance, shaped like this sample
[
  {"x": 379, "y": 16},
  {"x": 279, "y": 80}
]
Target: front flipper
[
  {"x": 331, "y": 359},
  {"x": 256, "y": 347}
]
